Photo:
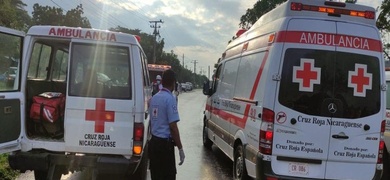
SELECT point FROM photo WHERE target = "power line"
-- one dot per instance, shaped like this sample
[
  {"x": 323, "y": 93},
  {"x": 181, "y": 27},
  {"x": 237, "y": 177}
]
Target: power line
[{"x": 145, "y": 19}]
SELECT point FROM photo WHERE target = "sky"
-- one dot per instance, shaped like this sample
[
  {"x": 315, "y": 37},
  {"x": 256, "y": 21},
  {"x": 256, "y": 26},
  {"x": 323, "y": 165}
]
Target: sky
[{"x": 199, "y": 30}]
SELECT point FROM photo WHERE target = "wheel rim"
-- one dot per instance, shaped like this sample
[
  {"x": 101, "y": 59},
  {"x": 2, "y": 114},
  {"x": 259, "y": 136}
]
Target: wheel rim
[{"x": 239, "y": 166}]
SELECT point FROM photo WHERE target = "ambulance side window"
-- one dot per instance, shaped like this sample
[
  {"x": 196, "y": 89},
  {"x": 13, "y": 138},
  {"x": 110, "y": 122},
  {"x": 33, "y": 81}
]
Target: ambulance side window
[
  {"x": 10, "y": 48},
  {"x": 228, "y": 80},
  {"x": 60, "y": 65},
  {"x": 39, "y": 61},
  {"x": 247, "y": 71},
  {"x": 216, "y": 79},
  {"x": 144, "y": 69}
]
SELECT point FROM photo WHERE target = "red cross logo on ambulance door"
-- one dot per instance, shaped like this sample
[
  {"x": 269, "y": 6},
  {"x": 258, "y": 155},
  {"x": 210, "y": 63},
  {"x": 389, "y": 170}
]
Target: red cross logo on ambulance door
[
  {"x": 360, "y": 80},
  {"x": 306, "y": 75},
  {"x": 100, "y": 115}
]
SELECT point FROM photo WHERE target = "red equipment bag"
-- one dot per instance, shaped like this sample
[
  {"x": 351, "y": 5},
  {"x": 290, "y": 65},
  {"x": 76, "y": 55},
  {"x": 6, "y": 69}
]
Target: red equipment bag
[{"x": 48, "y": 106}]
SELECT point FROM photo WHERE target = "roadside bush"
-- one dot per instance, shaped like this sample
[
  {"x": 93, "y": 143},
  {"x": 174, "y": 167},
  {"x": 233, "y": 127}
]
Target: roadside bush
[{"x": 6, "y": 172}]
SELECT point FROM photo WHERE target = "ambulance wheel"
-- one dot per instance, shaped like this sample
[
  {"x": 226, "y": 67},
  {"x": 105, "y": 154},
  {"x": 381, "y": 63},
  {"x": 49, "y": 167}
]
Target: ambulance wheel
[
  {"x": 239, "y": 169},
  {"x": 386, "y": 165},
  {"x": 207, "y": 143}
]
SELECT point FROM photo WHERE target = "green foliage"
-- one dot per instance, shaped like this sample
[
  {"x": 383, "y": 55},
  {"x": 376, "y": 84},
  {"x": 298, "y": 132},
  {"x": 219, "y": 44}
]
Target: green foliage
[
  {"x": 383, "y": 21},
  {"x": 6, "y": 173},
  {"x": 383, "y": 24},
  {"x": 13, "y": 15},
  {"x": 253, "y": 14},
  {"x": 46, "y": 15},
  {"x": 146, "y": 42}
]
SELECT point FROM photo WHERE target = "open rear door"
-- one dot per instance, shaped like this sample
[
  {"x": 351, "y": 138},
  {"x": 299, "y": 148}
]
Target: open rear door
[{"x": 11, "y": 97}]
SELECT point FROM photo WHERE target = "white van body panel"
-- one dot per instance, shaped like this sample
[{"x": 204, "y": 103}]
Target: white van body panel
[
  {"x": 99, "y": 125},
  {"x": 304, "y": 145},
  {"x": 10, "y": 112},
  {"x": 78, "y": 130},
  {"x": 306, "y": 131}
]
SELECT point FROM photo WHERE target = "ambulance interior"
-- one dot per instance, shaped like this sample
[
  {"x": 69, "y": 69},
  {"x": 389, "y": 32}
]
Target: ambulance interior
[
  {"x": 95, "y": 72},
  {"x": 47, "y": 72}
]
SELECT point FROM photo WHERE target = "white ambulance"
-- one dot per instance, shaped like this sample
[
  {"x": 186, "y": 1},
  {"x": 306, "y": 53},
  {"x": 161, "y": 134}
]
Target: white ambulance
[
  {"x": 103, "y": 127},
  {"x": 301, "y": 95}
]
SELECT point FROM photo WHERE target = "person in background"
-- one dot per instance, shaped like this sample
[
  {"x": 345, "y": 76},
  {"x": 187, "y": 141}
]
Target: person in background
[
  {"x": 165, "y": 133},
  {"x": 157, "y": 86}
]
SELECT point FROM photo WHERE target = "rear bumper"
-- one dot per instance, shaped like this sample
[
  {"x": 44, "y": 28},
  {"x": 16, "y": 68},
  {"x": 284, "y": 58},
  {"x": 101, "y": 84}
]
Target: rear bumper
[
  {"x": 42, "y": 161},
  {"x": 264, "y": 169}
]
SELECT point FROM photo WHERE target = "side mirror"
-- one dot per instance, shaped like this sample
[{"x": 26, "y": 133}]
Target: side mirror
[{"x": 206, "y": 88}]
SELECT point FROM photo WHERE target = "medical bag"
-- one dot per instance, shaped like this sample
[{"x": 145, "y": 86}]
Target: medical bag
[{"x": 46, "y": 110}]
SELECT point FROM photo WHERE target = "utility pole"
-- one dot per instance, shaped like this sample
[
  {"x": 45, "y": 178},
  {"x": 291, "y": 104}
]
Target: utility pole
[
  {"x": 194, "y": 61},
  {"x": 209, "y": 73},
  {"x": 183, "y": 60},
  {"x": 155, "y": 33}
]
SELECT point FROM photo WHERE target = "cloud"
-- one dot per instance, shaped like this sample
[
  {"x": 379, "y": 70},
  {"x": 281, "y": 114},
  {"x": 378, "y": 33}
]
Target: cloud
[{"x": 199, "y": 29}]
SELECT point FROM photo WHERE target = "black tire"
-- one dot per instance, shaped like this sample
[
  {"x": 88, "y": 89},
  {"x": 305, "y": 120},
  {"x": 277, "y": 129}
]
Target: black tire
[
  {"x": 207, "y": 143},
  {"x": 239, "y": 168},
  {"x": 386, "y": 165}
]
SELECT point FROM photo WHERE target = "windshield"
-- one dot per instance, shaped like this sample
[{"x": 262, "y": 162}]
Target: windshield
[
  {"x": 312, "y": 79},
  {"x": 100, "y": 71}
]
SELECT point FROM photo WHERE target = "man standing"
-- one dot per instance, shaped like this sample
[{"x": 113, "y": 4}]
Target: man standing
[
  {"x": 157, "y": 86},
  {"x": 165, "y": 133}
]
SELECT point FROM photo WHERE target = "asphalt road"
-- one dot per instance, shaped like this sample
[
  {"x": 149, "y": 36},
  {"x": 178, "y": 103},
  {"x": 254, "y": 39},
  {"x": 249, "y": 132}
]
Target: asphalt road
[{"x": 200, "y": 163}]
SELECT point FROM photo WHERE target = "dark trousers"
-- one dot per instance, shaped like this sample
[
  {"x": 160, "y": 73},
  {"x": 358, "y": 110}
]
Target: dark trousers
[{"x": 162, "y": 159}]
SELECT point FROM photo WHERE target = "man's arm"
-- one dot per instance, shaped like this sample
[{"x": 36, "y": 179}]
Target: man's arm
[{"x": 175, "y": 134}]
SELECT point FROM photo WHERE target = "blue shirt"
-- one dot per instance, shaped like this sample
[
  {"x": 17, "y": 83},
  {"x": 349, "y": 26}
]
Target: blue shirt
[{"x": 163, "y": 111}]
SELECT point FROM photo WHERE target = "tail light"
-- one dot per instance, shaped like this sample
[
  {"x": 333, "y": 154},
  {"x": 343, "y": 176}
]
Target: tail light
[
  {"x": 271, "y": 178},
  {"x": 266, "y": 131},
  {"x": 381, "y": 143},
  {"x": 138, "y": 138}
]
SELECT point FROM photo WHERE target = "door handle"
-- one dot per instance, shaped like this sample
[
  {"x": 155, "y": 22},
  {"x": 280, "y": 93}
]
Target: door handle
[{"x": 338, "y": 136}]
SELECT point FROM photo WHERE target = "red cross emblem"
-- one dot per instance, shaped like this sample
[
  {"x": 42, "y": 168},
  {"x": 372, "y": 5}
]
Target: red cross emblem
[
  {"x": 155, "y": 112},
  {"x": 100, "y": 115},
  {"x": 306, "y": 75},
  {"x": 360, "y": 80}
]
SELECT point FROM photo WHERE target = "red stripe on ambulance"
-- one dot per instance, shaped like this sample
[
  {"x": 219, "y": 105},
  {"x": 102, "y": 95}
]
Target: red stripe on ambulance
[
  {"x": 241, "y": 122},
  {"x": 329, "y": 39}
]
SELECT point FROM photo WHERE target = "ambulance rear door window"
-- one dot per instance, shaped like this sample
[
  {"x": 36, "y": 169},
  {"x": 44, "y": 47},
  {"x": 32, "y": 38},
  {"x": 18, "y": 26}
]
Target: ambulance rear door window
[
  {"x": 100, "y": 71},
  {"x": 305, "y": 92},
  {"x": 357, "y": 84},
  {"x": 312, "y": 79}
]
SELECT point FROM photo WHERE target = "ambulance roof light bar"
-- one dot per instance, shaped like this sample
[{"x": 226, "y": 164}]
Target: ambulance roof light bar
[{"x": 332, "y": 11}]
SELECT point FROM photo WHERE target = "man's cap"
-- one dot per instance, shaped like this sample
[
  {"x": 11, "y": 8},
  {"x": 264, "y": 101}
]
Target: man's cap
[{"x": 158, "y": 77}]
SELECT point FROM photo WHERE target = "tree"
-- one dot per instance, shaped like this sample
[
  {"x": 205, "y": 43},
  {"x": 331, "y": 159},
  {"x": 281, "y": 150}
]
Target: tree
[
  {"x": 146, "y": 42},
  {"x": 259, "y": 8},
  {"x": 46, "y": 15},
  {"x": 383, "y": 21},
  {"x": 74, "y": 18},
  {"x": 13, "y": 15},
  {"x": 383, "y": 24}
]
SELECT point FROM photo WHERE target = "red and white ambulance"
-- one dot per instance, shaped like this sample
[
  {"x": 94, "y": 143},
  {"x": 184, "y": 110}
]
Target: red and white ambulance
[
  {"x": 104, "y": 81},
  {"x": 301, "y": 95},
  {"x": 156, "y": 69}
]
